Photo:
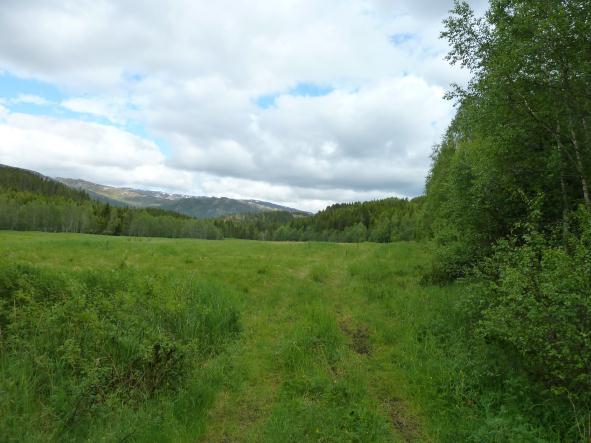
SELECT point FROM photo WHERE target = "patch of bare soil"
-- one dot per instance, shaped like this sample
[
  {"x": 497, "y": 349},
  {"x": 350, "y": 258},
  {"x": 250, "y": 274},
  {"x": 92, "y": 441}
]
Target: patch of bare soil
[
  {"x": 402, "y": 420},
  {"x": 359, "y": 336}
]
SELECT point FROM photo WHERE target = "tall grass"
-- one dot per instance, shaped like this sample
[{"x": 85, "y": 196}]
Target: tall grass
[
  {"x": 106, "y": 353},
  {"x": 465, "y": 388},
  {"x": 111, "y": 339},
  {"x": 323, "y": 396}
]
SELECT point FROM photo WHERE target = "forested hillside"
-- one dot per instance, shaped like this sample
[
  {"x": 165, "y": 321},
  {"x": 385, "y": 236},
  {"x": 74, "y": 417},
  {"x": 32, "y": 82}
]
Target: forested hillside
[
  {"x": 381, "y": 221},
  {"x": 30, "y": 201},
  {"x": 508, "y": 202}
]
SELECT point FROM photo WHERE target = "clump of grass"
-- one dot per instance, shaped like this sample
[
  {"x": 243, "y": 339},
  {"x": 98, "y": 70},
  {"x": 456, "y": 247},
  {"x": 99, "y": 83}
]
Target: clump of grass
[
  {"x": 317, "y": 337},
  {"x": 319, "y": 274},
  {"x": 323, "y": 398},
  {"x": 101, "y": 350}
]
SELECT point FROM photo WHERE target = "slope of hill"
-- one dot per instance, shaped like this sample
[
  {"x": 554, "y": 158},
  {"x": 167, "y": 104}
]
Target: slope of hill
[
  {"x": 23, "y": 180},
  {"x": 32, "y": 201},
  {"x": 193, "y": 206},
  {"x": 382, "y": 221}
]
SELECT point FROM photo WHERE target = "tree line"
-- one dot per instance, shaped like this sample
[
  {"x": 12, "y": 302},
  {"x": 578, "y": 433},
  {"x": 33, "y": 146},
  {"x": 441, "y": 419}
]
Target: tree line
[
  {"x": 507, "y": 197},
  {"x": 30, "y": 201},
  {"x": 382, "y": 221}
]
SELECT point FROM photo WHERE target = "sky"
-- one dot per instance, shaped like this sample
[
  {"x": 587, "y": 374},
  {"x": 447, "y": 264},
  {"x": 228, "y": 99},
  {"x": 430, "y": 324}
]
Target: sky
[{"x": 298, "y": 102}]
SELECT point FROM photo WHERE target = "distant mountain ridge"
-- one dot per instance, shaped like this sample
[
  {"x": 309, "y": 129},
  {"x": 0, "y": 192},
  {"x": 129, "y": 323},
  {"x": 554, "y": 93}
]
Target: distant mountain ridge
[{"x": 193, "y": 206}]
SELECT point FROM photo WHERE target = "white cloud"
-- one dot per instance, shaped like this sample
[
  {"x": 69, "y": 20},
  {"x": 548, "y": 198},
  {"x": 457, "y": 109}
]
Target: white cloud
[
  {"x": 257, "y": 45},
  {"x": 31, "y": 99},
  {"x": 3, "y": 111},
  {"x": 190, "y": 74},
  {"x": 376, "y": 138},
  {"x": 114, "y": 110},
  {"x": 308, "y": 199},
  {"x": 66, "y": 147}
]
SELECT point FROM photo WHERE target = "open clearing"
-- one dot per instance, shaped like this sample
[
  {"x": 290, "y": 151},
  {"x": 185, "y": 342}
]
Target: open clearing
[{"x": 334, "y": 341}]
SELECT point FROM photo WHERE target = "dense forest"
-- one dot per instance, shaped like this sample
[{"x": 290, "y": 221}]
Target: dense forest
[
  {"x": 381, "y": 221},
  {"x": 30, "y": 201},
  {"x": 507, "y": 198}
]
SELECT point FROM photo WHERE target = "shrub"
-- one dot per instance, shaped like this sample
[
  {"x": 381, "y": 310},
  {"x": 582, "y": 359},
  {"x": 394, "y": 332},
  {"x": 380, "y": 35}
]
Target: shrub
[{"x": 534, "y": 298}]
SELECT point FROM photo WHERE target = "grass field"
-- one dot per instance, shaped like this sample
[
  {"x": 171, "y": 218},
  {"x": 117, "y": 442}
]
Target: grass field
[{"x": 114, "y": 338}]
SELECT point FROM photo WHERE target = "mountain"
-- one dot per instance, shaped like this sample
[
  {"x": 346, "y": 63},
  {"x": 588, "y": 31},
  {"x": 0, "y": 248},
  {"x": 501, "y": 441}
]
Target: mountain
[
  {"x": 193, "y": 206},
  {"x": 30, "y": 201}
]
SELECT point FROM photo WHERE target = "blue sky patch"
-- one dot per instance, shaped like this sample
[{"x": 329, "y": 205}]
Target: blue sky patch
[
  {"x": 133, "y": 77},
  {"x": 266, "y": 101},
  {"x": 402, "y": 38},
  {"x": 310, "y": 90},
  {"x": 140, "y": 130},
  {"x": 53, "y": 109},
  {"x": 300, "y": 90},
  {"x": 11, "y": 87}
]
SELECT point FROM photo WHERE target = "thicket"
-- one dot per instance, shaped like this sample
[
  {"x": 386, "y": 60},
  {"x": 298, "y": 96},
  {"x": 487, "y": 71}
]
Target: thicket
[
  {"x": 111, "y": 353},
  {"x": 508, "y": 194},
  {"x": 533, "y": 296}
]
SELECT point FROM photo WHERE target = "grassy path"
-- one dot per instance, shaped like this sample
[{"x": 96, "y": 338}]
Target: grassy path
[
  {"x": 329, "y": 331},
  {"x": 314, "y": 360}
]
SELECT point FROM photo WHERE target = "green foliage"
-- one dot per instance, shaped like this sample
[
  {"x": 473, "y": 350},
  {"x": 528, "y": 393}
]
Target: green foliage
[
  {"x": 521, "y": 129},
  {"x": 381, "y": 221},
  {"x": 263, "y": 226},
  {"x": 88, "y": 351},
  {"x": 505, "y": 183},
  {"x": 532, "y": 296},
  {"x": 29, "y": 201},
  {"x": 322, "y": 398},
  {"x": 21, "y": 180},
  {"x": 338, "y": 342},
  {"x": 467, "y": 389}
]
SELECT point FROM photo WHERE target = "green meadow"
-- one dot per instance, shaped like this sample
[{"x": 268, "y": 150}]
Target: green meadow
[{"x": 137, "y": 339}]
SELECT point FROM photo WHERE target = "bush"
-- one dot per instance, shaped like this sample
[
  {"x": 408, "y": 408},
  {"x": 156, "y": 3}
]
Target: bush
[{"x": 533, "y": 298}]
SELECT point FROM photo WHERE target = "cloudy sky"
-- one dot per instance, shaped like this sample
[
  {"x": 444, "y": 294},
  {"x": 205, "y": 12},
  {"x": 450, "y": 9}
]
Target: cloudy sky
[{"x": 299, "y": 102}]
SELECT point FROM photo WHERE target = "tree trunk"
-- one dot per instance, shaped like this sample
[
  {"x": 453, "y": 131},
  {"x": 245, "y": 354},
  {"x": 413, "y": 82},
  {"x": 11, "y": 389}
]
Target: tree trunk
[
  {"x": 562, "y": 187},
  {"x": 564, "y": 195},
  {"x": 580, "y": 167}
]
